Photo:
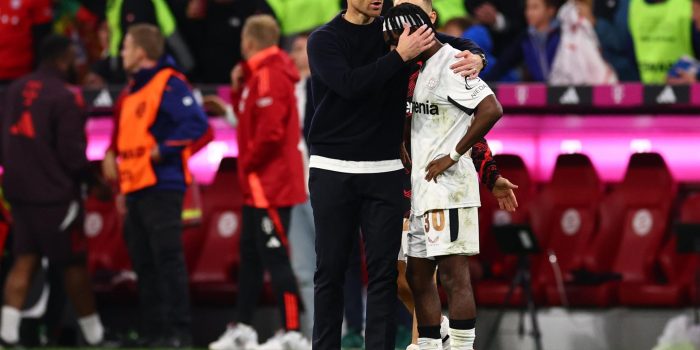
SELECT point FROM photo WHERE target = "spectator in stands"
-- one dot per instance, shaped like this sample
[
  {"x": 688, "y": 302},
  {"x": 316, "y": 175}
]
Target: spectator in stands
[
  {"x": 468, "y": 29},
  {"x": 157, "y": 122},
  {"x": 447, "y": 10},
  {"x": 271, "y": 175},
  {"x": 658, "y": 33},
  {"x": 504, "y": 19},
  {"x": 42, "y": 181},
  {"x": 214, "y": 32},
  {"x": 687, "y": 69},
  {"x": 455, "y": 27},
  {"x": 121, "y": 14},
  {"x": 579, "y": 60},
  {"x": 611, "y": 26},
  {"x": 22, "y": 26},
  {"x": 535, "y": 48},
  {"x": 303, "y": 15}
]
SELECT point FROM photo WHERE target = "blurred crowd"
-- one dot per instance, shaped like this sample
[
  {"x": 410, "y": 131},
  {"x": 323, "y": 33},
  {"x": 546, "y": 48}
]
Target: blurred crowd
[{"x": 561, "y": 42}]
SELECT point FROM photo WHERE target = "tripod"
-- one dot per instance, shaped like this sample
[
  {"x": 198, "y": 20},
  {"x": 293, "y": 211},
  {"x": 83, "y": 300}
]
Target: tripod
[{"x": 523, "y": 279}]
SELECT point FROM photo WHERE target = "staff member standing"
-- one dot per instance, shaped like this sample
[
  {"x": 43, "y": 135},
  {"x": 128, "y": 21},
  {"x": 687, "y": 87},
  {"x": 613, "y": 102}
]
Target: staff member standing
[
  {"x": 271, "y": 174},
  {"x": 158, "y": 121},
  {"x": 43, "y": 139}
]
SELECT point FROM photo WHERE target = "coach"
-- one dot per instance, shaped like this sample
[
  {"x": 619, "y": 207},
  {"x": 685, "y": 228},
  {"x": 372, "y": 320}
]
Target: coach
[{"x": 359, "y": 91}]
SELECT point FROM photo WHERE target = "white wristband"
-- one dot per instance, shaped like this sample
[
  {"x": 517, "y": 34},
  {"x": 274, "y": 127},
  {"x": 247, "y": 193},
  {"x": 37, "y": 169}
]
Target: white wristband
[{"x": 454, "y": 155}]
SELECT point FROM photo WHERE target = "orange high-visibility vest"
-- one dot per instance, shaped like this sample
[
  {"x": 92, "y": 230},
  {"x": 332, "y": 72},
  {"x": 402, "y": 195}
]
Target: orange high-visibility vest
[{"x": 134, "y": 140}]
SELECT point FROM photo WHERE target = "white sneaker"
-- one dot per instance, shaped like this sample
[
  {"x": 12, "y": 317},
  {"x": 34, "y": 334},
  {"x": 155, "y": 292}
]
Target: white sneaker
[
  {"x": 286, "y": 341},
  {"x": 445, "y": 333},
  {"x": 236, "y": 337},
  {"x": 413, "y": 347}
]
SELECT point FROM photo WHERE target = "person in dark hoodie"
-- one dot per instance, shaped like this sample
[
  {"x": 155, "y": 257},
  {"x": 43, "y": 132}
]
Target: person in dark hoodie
[
  {"x": 157, "y": 126},
  {"x": 271, "y": 175},
  {"x": 43, "y": 143}
]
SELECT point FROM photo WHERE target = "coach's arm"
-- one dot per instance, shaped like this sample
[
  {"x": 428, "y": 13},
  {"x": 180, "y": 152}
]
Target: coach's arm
[{"x": 330, "y": 63}]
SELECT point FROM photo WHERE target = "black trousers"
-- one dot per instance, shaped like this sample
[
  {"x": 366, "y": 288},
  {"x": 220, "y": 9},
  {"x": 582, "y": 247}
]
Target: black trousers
[
  {"x": 353, "y": 290},
  {"x": 342, "y": 203},
  {"x": 264, "y": 247},
  {"x": 153, "y": 234}
]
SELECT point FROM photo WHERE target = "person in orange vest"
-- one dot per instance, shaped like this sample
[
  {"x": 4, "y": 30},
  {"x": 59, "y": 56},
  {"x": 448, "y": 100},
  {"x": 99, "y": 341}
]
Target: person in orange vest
[{"x": 158, "y": 122}]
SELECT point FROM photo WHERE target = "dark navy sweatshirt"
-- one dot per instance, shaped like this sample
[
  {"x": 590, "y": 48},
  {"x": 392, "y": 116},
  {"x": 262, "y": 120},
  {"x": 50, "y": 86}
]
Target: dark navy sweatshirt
[{"x": 359, "y": 91}]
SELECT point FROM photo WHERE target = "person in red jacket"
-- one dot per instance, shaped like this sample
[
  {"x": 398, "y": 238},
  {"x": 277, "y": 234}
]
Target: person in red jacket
[{"x": 271, "y": 174}]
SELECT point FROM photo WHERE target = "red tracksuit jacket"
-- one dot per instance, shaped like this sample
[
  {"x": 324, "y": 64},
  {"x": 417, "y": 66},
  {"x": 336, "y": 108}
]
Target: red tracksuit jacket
[{"x": 270, "y": 166}]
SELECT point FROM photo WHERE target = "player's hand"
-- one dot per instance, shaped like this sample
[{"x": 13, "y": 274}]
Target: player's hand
[
  {"x": 237, "y": 76},
  {"x": 469, "y": 66},
  {"x": 109, "y": 166},
  {"x": 437, "y": 167},
  {"x": 155, "y": 154},
  {"x": 413, "y": 44},
  {"x": 503, "y": 191},
  {"x": 405, "y": 157}
]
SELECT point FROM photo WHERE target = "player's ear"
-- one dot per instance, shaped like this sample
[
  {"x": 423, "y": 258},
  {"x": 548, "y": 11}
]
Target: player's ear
[{"x": 433, "y": 17}]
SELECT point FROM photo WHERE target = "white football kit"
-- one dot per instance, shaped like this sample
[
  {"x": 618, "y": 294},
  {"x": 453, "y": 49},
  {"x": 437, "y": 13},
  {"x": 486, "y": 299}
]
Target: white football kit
[{"x": 444, "y": 217}]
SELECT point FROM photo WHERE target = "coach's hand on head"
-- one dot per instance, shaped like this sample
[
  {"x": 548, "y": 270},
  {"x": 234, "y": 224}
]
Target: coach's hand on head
[{"x": 413, "y": 44}]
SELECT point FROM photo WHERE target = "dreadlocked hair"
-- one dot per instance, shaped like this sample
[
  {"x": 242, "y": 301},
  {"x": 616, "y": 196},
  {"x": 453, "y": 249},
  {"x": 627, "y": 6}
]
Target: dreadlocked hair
[{"x": 406, "y": 13}]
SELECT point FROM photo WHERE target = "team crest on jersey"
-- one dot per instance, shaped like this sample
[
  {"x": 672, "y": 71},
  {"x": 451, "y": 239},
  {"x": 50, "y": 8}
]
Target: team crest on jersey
[
  {"x": 15, "y": 4},
  {"x": 432, "y": 84},
  {"x": 471, "y": 83}
]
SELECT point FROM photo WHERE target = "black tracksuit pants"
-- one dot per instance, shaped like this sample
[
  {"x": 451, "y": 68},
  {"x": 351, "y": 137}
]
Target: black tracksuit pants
[
  {"x": 264, "y": 247},
  {"x": 343, "y": 202}
]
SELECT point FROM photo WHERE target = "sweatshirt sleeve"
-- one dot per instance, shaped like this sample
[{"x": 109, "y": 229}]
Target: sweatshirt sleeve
[
  {"x": 271, "y": 110},
  {"x": 185, "y": 113},
  {"x": 460, "y": 43},
  {"x": 485, "y": 164},
  {"x": 71, "y": 133},
  {"x": 330, "y": 63}
]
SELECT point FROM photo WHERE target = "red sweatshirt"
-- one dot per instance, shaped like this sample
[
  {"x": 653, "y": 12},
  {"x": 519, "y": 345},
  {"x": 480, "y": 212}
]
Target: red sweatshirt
[{"x": 270, "y": 164}]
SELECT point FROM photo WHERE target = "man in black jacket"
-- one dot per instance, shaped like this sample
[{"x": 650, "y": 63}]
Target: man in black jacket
[
  {"x": 43, "y": 139},
  {"x": 359, "y": 91}
]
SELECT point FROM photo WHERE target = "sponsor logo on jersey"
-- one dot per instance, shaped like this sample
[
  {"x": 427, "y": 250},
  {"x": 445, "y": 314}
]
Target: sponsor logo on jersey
[
  {"x": 425, "y": 108},
  {"x": 478, "y": 90}
]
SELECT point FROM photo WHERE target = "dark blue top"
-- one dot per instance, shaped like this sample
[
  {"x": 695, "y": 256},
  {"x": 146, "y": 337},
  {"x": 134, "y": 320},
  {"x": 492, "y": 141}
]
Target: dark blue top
[
  {"x": 359, "y": 90},
  {"x": 179, "y": 119}
]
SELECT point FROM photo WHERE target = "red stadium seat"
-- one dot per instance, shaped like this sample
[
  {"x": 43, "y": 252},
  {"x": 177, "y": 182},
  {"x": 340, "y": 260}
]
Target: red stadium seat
[
  {"x": 499, "y": 269},
  {"x": 677, "y": 270},
  {"x": 564, "y": 215},
  {"x": 108, "y": 258},
  {"x": 213, "y": 276},
  {"x": 633, "y": 226}
]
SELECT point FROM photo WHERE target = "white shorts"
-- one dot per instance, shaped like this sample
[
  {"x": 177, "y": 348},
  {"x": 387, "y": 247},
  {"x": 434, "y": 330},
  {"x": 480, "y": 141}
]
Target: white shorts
[
  {"x": 404, "y": 240},
  {"x": 444, "y": 232}
]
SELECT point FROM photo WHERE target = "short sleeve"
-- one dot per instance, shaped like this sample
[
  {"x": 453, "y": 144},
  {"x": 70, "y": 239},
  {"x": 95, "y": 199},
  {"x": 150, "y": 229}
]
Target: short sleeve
[
  {"x": 465, "y": 93},
  {"x": 41, "y": 12}
]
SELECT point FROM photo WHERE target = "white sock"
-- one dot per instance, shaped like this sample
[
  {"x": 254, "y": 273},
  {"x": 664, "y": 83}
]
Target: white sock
[
  {"x": 9, "y": 329},
  {"x": 430, "y": 344},
  {"x": 92, "y": 328},
  {"x": 462, "y": 339}
]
